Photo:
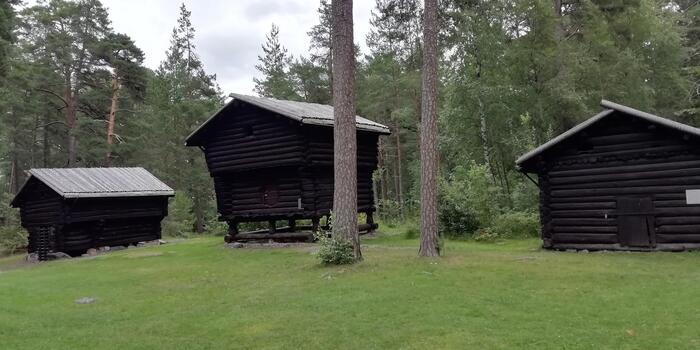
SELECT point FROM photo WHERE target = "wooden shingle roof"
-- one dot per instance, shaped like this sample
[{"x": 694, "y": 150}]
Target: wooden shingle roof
[
  {"x": 99, "y": 182},
  {"x": 303, "y": 112},
  {"x": 610, "y": 108}
]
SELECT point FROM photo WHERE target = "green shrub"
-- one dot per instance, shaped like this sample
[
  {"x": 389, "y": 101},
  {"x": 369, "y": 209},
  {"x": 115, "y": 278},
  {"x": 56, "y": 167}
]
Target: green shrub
[
  {"x": 333, "y": 251},
  {"x": 485, "y": 235},
  {"x": 389, "y": 211},
  {"x": 180, "y": 221},
  {"x": 456, "y": 223},
  {"x": 514, "y": 224},
  {"x": 411, "y": 232},
  {"x": 468, "y": 200},
  {"x": 12, "y": 238}
]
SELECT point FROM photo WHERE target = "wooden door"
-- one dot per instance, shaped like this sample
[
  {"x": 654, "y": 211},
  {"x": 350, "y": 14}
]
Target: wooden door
[{"x": 635, "y": 221}]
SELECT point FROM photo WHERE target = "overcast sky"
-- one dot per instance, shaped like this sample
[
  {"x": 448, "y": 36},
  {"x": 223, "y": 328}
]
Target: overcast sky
[{"x": 228, "y": 33}]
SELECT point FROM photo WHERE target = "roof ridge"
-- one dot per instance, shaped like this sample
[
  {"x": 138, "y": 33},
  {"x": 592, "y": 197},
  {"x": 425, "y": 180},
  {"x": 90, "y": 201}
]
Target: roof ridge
[
  {"x": 610, "y": 107},
  {"x": 300, "y": 111},
  {"x": 94, "y": 182}
]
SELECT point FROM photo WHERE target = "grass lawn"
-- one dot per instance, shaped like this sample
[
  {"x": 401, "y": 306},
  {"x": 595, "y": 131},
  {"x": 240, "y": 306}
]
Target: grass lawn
[{"x": 197, "y": 294}]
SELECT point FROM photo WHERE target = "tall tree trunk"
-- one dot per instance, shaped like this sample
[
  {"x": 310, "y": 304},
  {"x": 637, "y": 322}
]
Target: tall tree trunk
[
  {"x": 345, "y": 136},
  {"x": 429, "y": 245},
  {"x": 111, "y": 119},
  {"x": 45, "y": 150},
  {"x": 14, "y": 175},
  {"x": 71, "y": 114},
  {"x": 382, "y": 168},
  {"x": 399, "y": 175}
]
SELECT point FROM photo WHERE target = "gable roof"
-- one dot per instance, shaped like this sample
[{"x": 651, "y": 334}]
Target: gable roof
[
  {"x": 303, "y": 112},
  {"x": 611, "y": 107},
  {"x": 99, "y": 182}
]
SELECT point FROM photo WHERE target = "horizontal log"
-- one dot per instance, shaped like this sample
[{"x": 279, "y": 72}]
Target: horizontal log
[
  {"x": 640, "y": 166},
  {"x": 584, "y": 237},
  {"x": 593, "y": 205},
  {"x": 618, "y": 191},
  {"x": 637, "y": 175},
  {"x": 621, "y": 138},
  {"x": 678, "y": 220},
  {"x": 282, "y": 236},
  {"x": 584, "y": 229},
  {"x": 678, "y": 229},
  {"x": 688, "y": 181},
  {"x": 640, "y": 151},
  {"x": 677, "y": 238},
  {"x": 584, "y": 222}
]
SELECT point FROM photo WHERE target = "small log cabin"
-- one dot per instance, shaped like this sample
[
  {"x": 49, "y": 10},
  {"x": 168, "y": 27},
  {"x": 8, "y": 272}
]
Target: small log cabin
[
  {"x": 621, "y": 180},
  {"x": 74, "y": 209},
  {"x": 272, "y": 160}
]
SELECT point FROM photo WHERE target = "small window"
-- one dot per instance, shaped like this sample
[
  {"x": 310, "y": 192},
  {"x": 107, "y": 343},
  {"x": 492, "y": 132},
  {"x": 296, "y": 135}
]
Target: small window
[{"x": 270, "y": 197}]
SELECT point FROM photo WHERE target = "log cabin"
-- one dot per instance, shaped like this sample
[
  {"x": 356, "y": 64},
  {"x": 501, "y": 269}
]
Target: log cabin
[
  {"x": 74, "y": 209},
  {"x": 622, "y": 180},
  {"x": 272, "y": 160}
]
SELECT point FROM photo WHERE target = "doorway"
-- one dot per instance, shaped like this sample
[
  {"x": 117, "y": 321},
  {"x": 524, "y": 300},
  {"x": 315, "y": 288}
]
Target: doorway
[{"x": 635, "y": 222}]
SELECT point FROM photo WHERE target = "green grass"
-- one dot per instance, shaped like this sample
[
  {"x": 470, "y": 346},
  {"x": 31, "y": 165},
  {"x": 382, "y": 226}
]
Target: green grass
[{"x": 197, "y": 294}]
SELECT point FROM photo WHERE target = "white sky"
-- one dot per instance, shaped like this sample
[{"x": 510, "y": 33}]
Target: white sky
[{"x": 229, "y": 33}]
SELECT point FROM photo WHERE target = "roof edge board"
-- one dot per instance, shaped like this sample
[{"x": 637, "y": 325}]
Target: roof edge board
[
  {"x": 304, "y": 119},
  {"x": 563, "y": 136},
  {"x": 610, "y": 107}
]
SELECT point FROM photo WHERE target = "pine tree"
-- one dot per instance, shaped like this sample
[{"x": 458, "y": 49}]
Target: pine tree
[
  {"x": 429, "y": 245},
  {"x": 690, "y": 25},
  {"x": 126, "y": 73},
  {"x": 390, "y": 89},
  {"x": 344, "y": 132},
  {"x": 7, "y": 23},
  {"x": 65, "y": 35},
  {"x": 309, "y": 82},
  {"x": 180, "y": 97},
  {"x": 274, "y": 66},
  {"x": 321, "y": 48}
]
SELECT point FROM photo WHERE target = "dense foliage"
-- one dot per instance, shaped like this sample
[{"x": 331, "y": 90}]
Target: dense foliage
[{"x": 513, "y": 73}]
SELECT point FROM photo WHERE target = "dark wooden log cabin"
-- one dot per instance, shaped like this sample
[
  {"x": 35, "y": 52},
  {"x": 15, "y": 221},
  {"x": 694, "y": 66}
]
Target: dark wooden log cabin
[
  {"x": 621, "y": 180},
  {"x": 272, "y": 160},
  {"x": 72, "y": 210}
]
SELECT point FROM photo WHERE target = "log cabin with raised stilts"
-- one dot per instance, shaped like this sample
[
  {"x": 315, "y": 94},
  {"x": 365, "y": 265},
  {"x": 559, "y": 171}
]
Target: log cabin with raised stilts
[
  {"x": 272, "y": 160},
  {"x": 71, "y": 210},
  {"x": 621, "y": 180}
]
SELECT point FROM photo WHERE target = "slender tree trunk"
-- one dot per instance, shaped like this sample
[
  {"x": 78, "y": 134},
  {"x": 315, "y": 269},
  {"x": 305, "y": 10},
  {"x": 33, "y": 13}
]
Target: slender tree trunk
[
  {"x": 45, "y": 151},
  {"x": 399, "y": 175},
  {"x": 14, "y": 175},
  {"x": 71, "y": 114},
  {"x": 111, "y": 119},
  {"x": 382, "y": 168},
  {"x": 429, "y": 245},
  {"x": 345, "y": 137}
]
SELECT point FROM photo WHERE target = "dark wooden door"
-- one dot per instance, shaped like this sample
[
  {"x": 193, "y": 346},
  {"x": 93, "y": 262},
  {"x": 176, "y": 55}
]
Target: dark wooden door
[{"x": 635, "y": 223}]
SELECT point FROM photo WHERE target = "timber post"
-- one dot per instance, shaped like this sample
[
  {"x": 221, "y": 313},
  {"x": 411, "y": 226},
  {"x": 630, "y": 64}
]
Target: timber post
[
  {"x": 232, "y": 232},
  {"x": 370, "y": 221},
  {"x": 315, "y": 224}
]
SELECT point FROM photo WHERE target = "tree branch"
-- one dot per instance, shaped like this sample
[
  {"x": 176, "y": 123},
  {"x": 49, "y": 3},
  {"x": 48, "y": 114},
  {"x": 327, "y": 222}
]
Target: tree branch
[{"x": 54, "y": 94}]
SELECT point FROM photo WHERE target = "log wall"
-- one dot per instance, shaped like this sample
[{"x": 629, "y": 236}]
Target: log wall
[
  {"x": 621, "y": 156},
  {"x": 83, "y": 223},
  {"x": 254, "y": 139},
  {"x": 268, "y": 167}
]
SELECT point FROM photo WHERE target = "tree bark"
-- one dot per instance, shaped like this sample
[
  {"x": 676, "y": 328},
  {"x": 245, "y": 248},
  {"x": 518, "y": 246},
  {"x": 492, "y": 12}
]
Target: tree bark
[
  {"x": 111, "y": 119},
  {"x": 429, "y": 245},
  {"x": 399, "y": 175},
  {"x": 71, "y": 115},
  {"x": 45, "y": 150},
  {"x": 345, "y": 137}
]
